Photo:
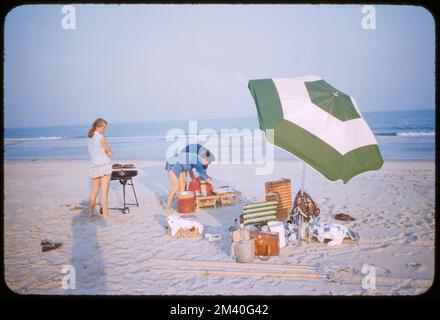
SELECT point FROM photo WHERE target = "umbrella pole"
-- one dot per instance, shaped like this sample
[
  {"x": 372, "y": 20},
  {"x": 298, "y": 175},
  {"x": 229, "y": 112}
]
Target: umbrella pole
[{"x": 303, "y": 177}]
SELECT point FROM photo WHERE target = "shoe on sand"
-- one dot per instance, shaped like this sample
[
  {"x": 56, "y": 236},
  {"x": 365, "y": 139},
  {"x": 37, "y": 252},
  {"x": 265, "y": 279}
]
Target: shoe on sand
[
  {"x": 47, "y": 245},
  {"x": 343, "y": 217}
]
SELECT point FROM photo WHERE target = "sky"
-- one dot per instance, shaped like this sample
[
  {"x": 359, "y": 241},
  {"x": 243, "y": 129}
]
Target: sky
[{"x": 135, "y": 63}]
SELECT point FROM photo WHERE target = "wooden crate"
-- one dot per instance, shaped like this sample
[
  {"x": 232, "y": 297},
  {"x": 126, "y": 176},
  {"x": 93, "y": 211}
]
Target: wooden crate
[
  {"x": 206, "y": 201},
  {"x": 283, "y": 190},
  {"x": 227, "y": 198}
]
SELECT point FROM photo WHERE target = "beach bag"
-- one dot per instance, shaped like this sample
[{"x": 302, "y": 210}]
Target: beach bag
[
  {"x": 245, "y": 251},
  {"x": 243, "y": 247},
  {"x": 304, "y": 203},
  {"x": 267, "y": 244}
]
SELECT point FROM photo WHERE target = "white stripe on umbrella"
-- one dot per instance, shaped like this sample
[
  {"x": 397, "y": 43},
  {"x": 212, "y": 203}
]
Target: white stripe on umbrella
[{"x": 297, "y": 107}]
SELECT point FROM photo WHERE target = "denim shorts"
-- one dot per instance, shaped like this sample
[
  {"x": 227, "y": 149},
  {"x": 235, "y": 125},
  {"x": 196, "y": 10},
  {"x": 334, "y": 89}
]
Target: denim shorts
[{"x": 177, "y": 168}]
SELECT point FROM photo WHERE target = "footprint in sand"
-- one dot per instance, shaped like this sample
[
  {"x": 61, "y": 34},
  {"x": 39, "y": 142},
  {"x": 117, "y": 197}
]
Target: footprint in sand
[
  {"x": 419, "y": 223},
  {"x": 429, "y": 221},
  {"x": 410, "y": 238},
  {"x": 412, "y": 254},
  {"x": 331, "y": 208},
  {"x": 414, "y": 266}
]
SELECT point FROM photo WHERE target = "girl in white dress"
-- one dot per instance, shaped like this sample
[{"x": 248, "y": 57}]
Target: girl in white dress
[{"x": 101, "y": 169}]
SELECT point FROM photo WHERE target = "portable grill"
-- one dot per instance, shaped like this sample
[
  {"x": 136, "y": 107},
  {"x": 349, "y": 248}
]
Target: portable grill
[{"x": 125, "y": 174}]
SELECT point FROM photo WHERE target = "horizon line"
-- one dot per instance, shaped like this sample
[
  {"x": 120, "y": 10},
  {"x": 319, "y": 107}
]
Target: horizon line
[{"x": 187, "y": 119}]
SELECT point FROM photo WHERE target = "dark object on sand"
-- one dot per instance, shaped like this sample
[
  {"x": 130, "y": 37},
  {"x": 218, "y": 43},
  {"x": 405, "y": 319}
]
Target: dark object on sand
[
  {"x": 76, "y": 208},
  {"x": 343, "y": 217},
  {"x": 47, "y": 245}
]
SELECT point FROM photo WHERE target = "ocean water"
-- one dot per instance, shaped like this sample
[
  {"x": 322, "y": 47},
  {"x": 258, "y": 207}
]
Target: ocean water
[{"x": 401, "y": 135}]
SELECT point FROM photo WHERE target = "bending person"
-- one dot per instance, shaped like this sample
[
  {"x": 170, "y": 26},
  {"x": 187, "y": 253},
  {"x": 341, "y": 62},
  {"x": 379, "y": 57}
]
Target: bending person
[{"x": 191, "y": 157}]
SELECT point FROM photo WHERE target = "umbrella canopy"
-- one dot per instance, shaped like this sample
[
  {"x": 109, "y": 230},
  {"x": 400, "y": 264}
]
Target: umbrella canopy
[{"x": 318, "y": 124}]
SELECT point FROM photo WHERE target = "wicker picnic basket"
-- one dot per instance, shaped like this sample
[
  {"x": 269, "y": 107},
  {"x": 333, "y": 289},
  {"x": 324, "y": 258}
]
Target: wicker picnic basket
[{"x": 184, "y": 233}]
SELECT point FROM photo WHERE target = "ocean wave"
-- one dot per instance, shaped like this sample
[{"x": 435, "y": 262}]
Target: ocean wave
[
  {"x": 30, "y": 139},
  {"x": 416, "y": 134},
  {"x": 407, "y": 134},
  {"x": 386, "y": 134}
]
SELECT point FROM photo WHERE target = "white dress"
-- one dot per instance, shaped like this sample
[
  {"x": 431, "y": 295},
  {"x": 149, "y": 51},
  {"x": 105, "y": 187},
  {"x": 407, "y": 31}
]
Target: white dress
[{"x": 101, "y": 163}]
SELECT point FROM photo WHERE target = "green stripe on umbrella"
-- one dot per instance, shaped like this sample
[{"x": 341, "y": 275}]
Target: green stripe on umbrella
[
  {"x": 318, "y": 124},
  {"x": 265, "y": 94},
  {"x": 331, "y": 100}
]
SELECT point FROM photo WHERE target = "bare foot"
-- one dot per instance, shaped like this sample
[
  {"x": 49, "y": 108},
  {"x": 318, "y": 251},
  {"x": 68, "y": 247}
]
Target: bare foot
[{"x": 105, "y": 216}]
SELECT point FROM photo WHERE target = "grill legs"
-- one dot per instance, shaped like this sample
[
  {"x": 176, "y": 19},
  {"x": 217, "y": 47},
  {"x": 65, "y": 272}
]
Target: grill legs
[{"x": 129, "y": 182}]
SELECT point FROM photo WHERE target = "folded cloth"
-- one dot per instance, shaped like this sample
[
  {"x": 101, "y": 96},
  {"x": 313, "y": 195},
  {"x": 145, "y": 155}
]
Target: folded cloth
[
  {"x": 176, "y": 223},
  {"x": 336, "y": 233}
]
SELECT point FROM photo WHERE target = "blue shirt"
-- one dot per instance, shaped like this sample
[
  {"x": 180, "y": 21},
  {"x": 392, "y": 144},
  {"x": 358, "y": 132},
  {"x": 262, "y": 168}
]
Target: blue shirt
[
  {"x": 197, "y": 148},
  {"x": 186, "y": 161}
]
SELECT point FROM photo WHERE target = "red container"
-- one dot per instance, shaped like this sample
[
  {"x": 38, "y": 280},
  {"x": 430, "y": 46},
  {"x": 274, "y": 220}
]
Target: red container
[
  {"x": 194, "y": 185},
  {"x": 186, "y": 202},
  {"x": 197, "y": 185}
]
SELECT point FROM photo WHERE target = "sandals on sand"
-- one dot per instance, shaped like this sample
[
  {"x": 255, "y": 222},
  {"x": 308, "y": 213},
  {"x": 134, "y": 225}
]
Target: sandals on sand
[
  {"x": 47, "y": 245},
  {"x": 343, "y": 217}
]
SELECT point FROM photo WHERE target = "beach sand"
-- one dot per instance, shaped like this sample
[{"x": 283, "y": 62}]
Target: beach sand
[{"x": 394, "y": 210}]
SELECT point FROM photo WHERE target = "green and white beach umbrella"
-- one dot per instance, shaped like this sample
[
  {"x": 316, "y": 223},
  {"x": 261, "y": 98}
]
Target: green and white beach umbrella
[{"x": 318, "y": 124}]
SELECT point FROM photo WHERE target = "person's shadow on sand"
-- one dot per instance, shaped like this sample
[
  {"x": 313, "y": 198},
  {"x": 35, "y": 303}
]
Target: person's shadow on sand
[{"x": 86, "y": 256}]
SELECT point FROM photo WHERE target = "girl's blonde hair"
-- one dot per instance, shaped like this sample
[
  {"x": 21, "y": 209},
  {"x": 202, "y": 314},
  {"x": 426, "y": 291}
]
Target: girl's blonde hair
[{"x": 97, "y": 123}]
